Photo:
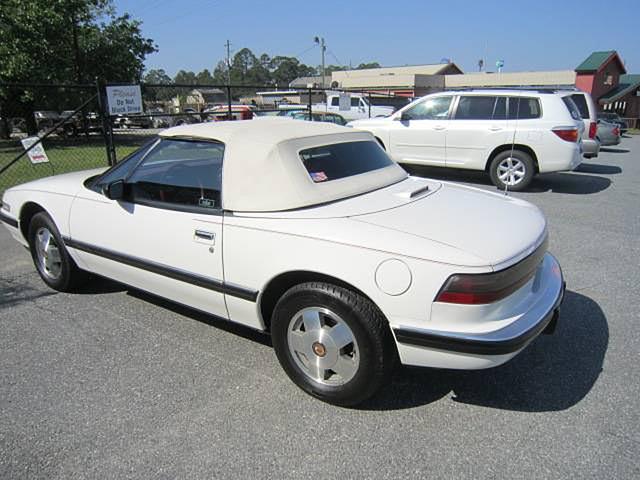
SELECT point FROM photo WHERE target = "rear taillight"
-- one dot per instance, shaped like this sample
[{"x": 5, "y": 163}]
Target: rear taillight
[
  {"x": 616, "y": 131},
  {"x": 482, "y": 288},
  {"x": 569, "y": 134},
  {"x": 593, "y": 128}
]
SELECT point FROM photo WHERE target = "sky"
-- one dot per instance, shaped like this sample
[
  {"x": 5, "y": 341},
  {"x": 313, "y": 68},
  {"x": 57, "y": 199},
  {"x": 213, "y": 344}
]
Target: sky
[{"x": 540, "y": 35}]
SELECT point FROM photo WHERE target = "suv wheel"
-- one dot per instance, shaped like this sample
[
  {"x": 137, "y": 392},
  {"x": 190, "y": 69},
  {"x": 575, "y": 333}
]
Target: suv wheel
[
  {"x": 513, "y": 170},
  {"x": 332, "y": 342}
]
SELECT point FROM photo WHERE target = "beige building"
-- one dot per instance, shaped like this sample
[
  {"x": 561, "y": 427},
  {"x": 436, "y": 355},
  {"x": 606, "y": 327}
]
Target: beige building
[
  {"x": 554, "y": 78},
  {"x": 418, "y": 80},
  {"x": 407, "y": 81}
]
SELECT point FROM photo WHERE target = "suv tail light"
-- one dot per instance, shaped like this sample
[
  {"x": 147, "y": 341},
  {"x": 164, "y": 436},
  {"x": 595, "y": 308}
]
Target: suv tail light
[
  {"x": 570, "y": 134},
  {"x": 593, "y": 128},
  {"x": 616, "y": 131},
  {"x": 475, "y": 289}
]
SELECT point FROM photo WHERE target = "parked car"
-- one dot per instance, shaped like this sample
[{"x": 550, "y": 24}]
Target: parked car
[
  {"x": 46, "y": 119},
  {"x": 355, "y": 106},
  {"x": 608, "y": 133},
  {"x": 614, "y": 118},
  {"x": 75, "y": 125},
  {"x": 511, "y": 134},
  {"x": 588, "y": 113},
  {"x": 348, "y": 262},
  {"x": 320, "y": 117},
  {"x": 221, "y": 113}
]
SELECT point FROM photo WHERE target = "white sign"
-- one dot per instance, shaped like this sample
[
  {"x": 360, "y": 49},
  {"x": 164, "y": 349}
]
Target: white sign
[
  {"x": 124, "y": 99},
  {"x": 345, "y": 102},
  {"x": 37, "y": 153}
]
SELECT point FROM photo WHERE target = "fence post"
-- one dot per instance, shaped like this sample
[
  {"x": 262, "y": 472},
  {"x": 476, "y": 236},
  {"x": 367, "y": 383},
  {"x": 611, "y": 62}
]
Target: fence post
[
  {"x": 309, "y": 105},
  {"x": 369, "y": 104},
  {"x": 229, "y": 101},
  {"x": 107, "y": 131}
]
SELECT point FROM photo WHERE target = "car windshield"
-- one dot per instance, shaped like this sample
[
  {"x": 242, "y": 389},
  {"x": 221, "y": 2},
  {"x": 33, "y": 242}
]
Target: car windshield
[{"x": 341, "y": 160}]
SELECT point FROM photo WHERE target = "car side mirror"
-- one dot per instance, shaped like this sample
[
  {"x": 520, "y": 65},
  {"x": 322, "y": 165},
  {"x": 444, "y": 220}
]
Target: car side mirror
[
  {"x": 114, "y": 190},
  {"x": 403, "y": 117}
]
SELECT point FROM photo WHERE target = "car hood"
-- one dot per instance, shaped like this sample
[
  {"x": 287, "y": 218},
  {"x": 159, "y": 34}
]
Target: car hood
[
  {"x": 65, "y": 184},
  {"x": 370, "y": 122},
  {"x": 497, "y": 229}
]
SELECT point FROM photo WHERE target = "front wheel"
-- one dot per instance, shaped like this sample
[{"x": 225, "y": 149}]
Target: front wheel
[
  {"x": 512, "y": 170},
  {"x": 332, "y": 342},
  {"x": 56, "y": 268}
]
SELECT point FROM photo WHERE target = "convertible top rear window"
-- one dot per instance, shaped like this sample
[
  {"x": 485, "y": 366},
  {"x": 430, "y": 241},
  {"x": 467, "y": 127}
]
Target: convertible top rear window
[{"x": 341, "y": 160}]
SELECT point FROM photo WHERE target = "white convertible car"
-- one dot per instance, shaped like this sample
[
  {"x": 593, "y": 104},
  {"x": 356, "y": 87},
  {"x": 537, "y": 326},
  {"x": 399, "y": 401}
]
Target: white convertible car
[{"x": 310, "y": 232}]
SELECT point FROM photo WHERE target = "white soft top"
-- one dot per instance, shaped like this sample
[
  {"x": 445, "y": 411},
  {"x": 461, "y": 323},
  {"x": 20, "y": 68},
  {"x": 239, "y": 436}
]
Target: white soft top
[{"x": 262, "y": 170}]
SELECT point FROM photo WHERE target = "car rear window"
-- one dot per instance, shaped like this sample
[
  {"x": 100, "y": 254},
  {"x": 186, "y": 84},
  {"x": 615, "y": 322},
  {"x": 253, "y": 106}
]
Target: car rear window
[
  {"x": 573, "y": 109},
  {"x": 341, "y": 160},
  {"x": 581, "y": 103}
]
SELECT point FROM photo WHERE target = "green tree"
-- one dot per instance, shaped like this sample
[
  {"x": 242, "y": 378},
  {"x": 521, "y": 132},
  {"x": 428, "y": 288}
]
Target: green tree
[
  {"x": 64, "y": 41},
  {"x": 364, "y": 66},
  {"x": 205, "y": 78},
  {"x": 157, "y": 77}
]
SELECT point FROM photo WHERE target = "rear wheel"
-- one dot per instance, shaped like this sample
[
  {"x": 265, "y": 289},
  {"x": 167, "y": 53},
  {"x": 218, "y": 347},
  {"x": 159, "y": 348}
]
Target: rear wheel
[
  {"x": 332, "y": 342},
  {"x": 53, "y": 263},
  {"x": 513, "y": 170}
]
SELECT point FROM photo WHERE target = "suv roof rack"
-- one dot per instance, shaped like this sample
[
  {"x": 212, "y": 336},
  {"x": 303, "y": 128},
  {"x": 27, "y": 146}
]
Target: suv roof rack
[{"x": 540, "y": 89}]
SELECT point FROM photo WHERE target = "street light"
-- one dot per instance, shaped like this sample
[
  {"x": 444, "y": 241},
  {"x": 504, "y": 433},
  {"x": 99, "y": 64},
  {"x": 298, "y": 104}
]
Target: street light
[{"x": 323, "y": 48}]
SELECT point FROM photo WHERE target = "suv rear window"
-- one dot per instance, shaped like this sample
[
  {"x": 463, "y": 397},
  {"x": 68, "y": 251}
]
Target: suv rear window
[
  {"x": 581, "y": 103},
  {"x": 573, "y": 109},
  {"x": 341, "y": 160}
]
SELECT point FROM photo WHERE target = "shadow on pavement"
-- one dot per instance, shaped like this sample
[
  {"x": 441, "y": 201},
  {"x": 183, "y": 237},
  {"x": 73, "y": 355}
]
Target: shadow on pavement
[
  {"x": 562, "y": 182},
  {"x": 217, "y": 322},
  {"x": 15, "y": 292},
  {"x": 614, "y": 150},
  {"x": 553, "y": 373},
  {"x": 599, "y": 168}
]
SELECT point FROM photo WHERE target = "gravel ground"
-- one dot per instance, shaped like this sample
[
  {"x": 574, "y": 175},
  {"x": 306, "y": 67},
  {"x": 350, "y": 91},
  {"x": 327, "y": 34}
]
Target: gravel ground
[{"x": 113, "y": 383}]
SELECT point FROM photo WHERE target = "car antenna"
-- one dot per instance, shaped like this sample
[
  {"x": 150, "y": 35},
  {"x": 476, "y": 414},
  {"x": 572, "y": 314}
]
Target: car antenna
[{"x": 513, "y": 138}]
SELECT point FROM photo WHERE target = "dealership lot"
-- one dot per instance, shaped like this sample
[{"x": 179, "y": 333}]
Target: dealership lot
[{"x": 115, "y": 383}]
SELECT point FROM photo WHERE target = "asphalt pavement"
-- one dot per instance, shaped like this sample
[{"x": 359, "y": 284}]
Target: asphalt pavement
[{"x": 114, "y": 383}]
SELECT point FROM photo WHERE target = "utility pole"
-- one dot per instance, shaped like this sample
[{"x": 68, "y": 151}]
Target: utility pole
[
  {"x": 228, "y": 45},
  {"x": 323, "y": 48}
]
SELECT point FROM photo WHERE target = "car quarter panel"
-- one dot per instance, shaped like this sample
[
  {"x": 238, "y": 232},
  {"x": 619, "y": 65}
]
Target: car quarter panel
[{"x": 258, "y": 250}]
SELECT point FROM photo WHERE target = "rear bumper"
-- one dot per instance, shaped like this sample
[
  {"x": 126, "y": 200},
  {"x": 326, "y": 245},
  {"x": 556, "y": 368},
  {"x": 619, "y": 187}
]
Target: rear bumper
[
  {"x": 482, "y": 350},
  {"x": 590, "y": 148}
]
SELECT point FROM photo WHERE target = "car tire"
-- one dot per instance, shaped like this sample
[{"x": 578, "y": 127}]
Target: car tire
[
  {"x": 512, "y": 170},
  {"x": 333, "y": 343},
  {"x": 50, "y": 257}
]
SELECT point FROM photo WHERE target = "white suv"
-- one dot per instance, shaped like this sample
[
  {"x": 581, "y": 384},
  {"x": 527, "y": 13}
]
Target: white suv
[{"x": 511, "y": 134}]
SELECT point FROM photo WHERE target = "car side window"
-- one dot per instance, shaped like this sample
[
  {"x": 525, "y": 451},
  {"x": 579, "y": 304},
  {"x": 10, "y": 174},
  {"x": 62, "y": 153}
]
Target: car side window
[
  {"x": 431, "y": 109},
  {"x": 180, "y": 173},
  {"x": 123, "y": 168},
  {"x": 475, "y": 107},
  {"x": 523, "y": 108},
  {"x": 335, "y": 102},
  {"x": 355, "y": 101}
]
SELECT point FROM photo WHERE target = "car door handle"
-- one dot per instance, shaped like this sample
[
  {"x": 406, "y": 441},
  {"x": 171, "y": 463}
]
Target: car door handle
[
  {"x": 439, "y": 127},
  {"x": 495, "y": 129},
  {"x": 204, "y": 235}
]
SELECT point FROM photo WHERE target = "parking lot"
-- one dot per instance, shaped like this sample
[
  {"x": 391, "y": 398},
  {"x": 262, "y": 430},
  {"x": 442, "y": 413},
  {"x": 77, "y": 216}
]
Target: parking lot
[{"x": 114, "y": 383}]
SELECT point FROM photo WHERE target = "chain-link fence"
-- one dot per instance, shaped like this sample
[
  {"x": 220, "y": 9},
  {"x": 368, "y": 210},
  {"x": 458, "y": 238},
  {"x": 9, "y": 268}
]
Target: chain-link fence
[
  {"x": 169, "y": 105},
  {"x": 67, "y": 119},
  {"x": 78, "y": 134}
]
